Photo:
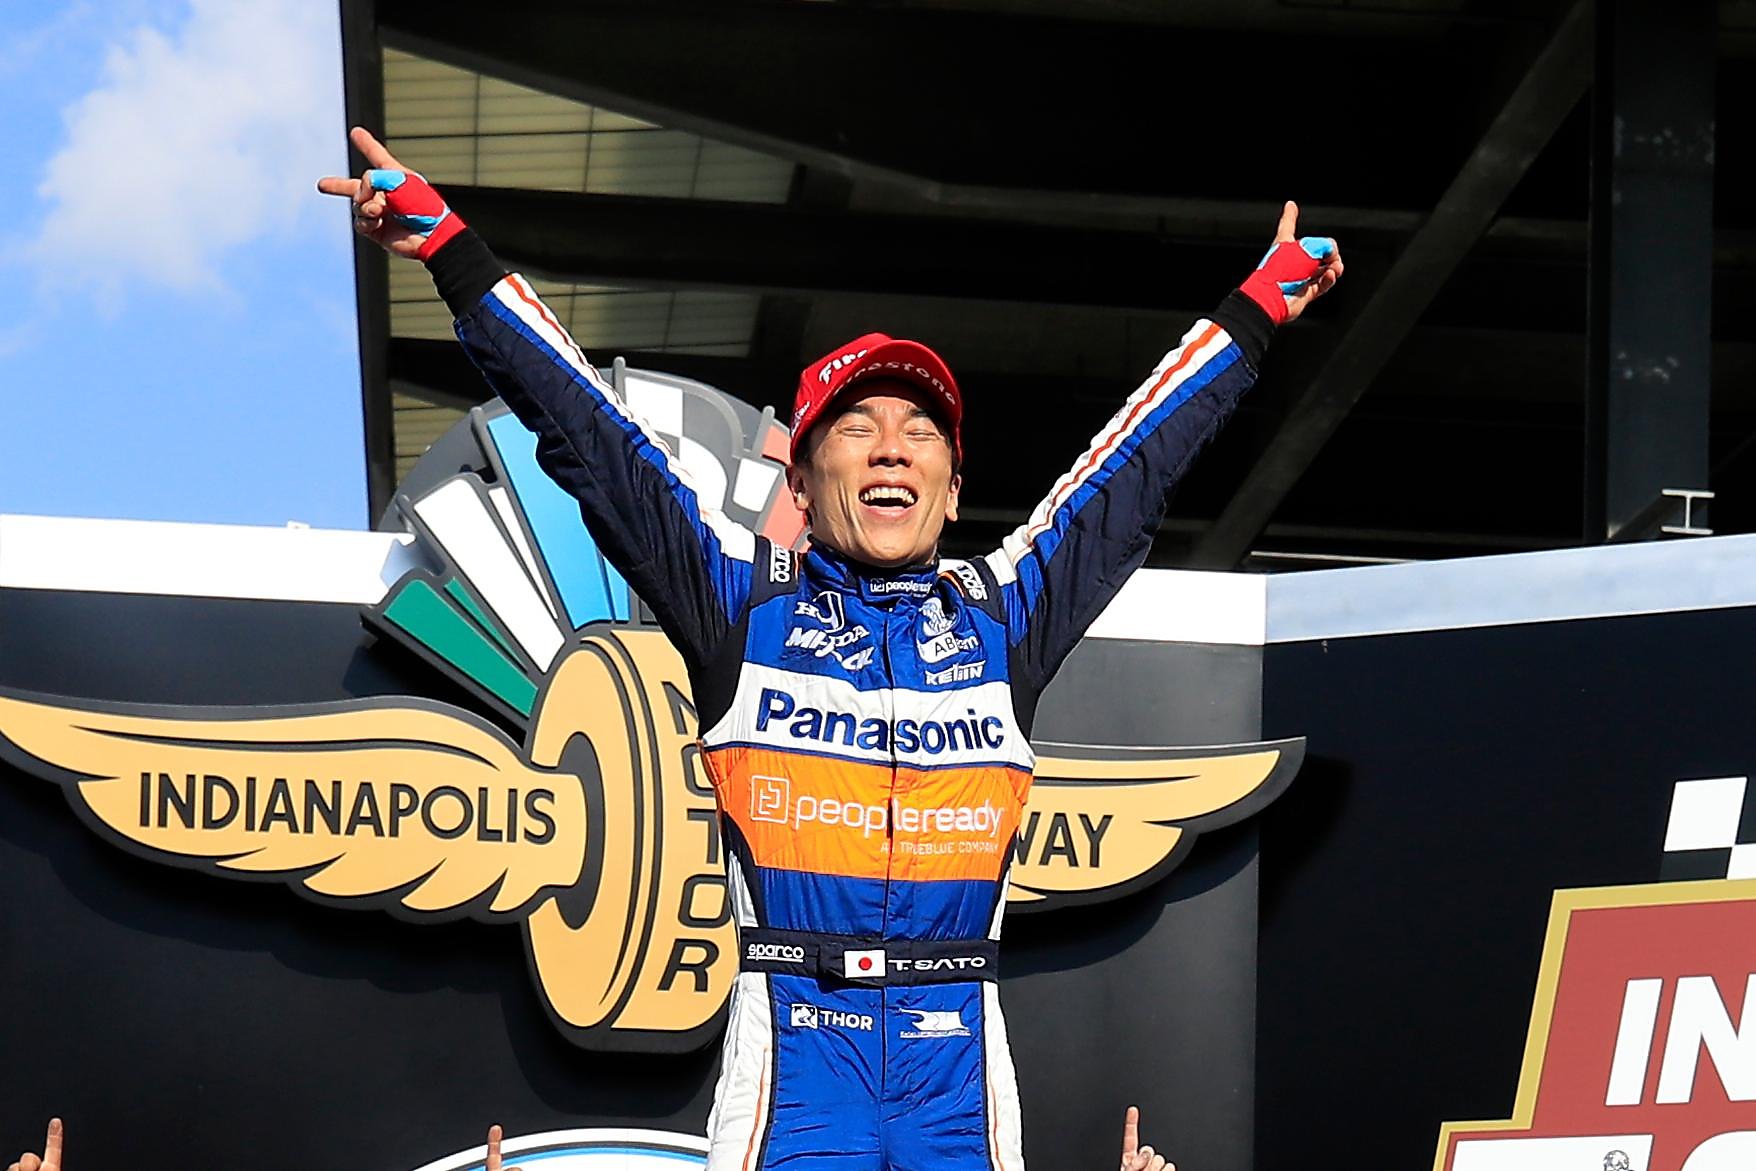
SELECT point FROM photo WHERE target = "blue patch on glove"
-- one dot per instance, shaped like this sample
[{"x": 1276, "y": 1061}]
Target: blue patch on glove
[
  {"x": 386, "y": 180},
  {"x": 421, "y": 225},
  {"x": 1318, "y": 248}
]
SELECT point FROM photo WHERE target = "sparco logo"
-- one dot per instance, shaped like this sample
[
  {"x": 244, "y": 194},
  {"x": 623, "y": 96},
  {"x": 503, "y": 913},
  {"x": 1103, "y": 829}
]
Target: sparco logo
[{"x": 783, "y": 953}]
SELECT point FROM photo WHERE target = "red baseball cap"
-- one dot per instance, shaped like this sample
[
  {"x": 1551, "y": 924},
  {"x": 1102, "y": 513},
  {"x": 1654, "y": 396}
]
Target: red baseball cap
[{"x": 877, "y": 355}]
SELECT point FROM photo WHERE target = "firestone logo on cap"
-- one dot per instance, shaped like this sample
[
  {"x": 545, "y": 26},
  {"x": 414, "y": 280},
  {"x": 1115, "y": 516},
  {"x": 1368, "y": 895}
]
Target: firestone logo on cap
[
  {"x": 922, "y": 373},
  {"x": 873, "y": 354},
  {"x": 834, "y": 364}
]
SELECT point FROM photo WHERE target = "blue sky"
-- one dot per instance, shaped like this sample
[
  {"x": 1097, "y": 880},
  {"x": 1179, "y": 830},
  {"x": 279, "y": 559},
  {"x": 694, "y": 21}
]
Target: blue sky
[{"x": 176, "y": 301}]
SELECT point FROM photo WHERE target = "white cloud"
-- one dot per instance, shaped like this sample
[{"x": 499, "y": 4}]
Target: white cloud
[{"x": 193, "y": 144}]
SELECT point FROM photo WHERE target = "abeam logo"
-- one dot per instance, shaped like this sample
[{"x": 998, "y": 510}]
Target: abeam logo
[
  {"x": 1643, "y": 1057},
  {"x": 595, "y": 831}
]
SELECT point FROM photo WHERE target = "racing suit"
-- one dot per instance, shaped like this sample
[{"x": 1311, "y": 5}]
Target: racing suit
[{"x": 867, "y": 734}]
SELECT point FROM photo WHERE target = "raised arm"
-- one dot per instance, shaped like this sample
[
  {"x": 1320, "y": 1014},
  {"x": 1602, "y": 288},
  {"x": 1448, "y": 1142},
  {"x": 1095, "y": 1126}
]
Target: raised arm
[
  {"x": 1094, "y": 528},
  {"x": 50, "y": 1159},
  {"x": 687, "y": 561}
]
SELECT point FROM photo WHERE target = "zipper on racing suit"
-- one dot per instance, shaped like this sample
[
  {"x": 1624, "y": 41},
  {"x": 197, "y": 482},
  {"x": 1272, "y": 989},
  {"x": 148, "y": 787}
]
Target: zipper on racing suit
[{"x": 889, "y": 868}]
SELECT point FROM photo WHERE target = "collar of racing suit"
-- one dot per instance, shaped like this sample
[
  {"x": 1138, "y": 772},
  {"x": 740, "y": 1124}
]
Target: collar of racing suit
[{"x": 876, "y": 586}]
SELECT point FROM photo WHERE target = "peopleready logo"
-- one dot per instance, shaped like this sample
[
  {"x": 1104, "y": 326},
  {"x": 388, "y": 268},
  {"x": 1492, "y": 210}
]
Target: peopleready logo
[
  {"x": 849, "y": 729},
  {"x": 771, "y": 800}
]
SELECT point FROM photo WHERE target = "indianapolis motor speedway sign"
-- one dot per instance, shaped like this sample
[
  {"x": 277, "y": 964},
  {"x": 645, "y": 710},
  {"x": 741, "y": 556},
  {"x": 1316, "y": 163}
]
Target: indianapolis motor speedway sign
[{"x": 572, "y": 800}]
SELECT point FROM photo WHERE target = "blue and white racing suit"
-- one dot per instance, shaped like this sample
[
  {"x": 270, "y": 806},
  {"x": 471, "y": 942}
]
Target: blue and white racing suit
[{"x": 867, "y": 733}]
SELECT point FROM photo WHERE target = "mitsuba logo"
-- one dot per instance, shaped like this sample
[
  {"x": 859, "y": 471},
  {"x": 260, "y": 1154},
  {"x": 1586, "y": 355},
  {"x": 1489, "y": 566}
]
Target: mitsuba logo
[{"x": 1639, "y": 1058}]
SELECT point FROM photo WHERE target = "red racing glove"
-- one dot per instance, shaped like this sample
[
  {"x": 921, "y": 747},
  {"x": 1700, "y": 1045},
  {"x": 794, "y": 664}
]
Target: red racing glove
[
  {"x": 1284, "y": 273},
  {"x": 411, "y": 202}
]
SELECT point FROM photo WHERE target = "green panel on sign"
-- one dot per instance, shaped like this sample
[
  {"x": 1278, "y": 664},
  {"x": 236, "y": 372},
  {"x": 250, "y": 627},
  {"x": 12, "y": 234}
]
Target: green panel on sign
[
  {"x": 419, "y": 609},
  {"x": 461, "y": 595}
]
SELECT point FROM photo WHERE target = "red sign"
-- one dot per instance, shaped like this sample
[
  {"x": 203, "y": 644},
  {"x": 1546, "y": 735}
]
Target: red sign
[{"x": 1641, "y": 1054}]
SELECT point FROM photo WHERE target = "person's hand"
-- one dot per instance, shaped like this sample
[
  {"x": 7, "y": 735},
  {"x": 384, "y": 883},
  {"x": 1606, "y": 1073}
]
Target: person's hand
[
  {"x": 394, "y": 207},
  {"x": 50, "y": 1159},
  {"x": 1134, "y": 1156},
  {"x": 494, "y": 1135},
  {"x": 1294, "y": 272}
]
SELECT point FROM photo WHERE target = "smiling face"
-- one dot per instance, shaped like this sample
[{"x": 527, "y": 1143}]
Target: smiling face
[{"x": 875, "y": 477}]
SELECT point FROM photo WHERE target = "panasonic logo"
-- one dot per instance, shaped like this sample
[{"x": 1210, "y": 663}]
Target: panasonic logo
[{"x": 829, "y": 726}]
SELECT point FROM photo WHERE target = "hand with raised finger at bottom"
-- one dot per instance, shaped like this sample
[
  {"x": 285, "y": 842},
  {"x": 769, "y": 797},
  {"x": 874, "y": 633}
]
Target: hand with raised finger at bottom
[
  {"x": 50, "y": 1159},
  {"x": 1134, "y": 1156},
  {"x": 494, "y": 1136},
  {"x": 394, "y": 207},
  {"x": 1295, "y": 271}
]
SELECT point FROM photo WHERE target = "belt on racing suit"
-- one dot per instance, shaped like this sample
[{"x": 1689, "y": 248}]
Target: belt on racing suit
[{"x": 864, "y": 959}]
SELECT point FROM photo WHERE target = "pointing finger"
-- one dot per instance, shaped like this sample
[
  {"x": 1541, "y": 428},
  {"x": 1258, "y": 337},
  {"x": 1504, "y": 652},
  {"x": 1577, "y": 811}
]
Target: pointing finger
[
  {"x": 336, "y": 185},
  {"x": 52, "y": 1147},
  {"x": 494, "y": 1136},
  {"x": 1131, "y": 1132},
  {"x": 374, "y": 151},
  {"x": 1288, "y": 228}
]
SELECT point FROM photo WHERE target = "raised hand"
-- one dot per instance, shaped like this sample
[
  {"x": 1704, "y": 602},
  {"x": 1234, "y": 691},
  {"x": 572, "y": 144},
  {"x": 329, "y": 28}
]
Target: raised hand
[
  {"x": 394, "y": 207},
  {"x": 1134, "y": 1156},
  {"x": 50, "y": 1159},
  {"x": 1294, "y": 272}
]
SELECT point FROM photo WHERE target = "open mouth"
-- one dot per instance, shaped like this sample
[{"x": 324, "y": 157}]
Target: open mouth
[{"x": 888, "y": 496}]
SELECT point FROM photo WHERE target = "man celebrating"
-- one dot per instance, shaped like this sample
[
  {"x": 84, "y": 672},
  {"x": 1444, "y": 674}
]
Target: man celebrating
[{"x": 866, "y": 704}]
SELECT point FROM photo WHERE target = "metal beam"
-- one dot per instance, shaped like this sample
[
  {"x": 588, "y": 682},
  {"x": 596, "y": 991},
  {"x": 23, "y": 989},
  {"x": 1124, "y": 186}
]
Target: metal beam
[
  {"x": 778, "y": 249},
  {"x": 363, "y": 98},
  {"x": 1539, "y": 103},
  {"x": 989, "y": 106},
  {"x": 1651, "y": 272}
]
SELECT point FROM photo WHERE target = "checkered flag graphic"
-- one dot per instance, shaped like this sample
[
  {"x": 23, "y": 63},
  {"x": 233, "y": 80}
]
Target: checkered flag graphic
[
  {"x": 1712, "y": 830},
  {"x": 737, "y": 465}
]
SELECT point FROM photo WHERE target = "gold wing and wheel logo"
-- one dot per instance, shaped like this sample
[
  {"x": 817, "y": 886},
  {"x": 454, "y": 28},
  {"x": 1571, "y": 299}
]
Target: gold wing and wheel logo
[
  {"x": 598, "y": 835},
  {"x": 578, "y": 807},
  {"x": 1105, "y": 822}
]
